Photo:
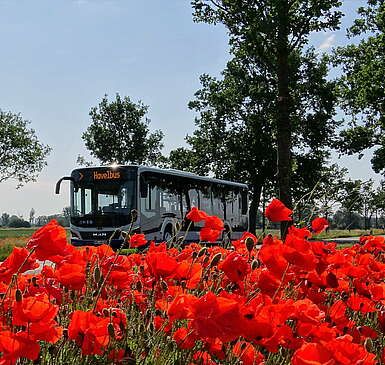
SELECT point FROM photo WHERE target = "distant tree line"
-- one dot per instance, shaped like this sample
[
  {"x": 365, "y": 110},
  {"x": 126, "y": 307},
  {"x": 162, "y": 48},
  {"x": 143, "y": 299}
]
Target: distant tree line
[{"x": 14, "y": 221}]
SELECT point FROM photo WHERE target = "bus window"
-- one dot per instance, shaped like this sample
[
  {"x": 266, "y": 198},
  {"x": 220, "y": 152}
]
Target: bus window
[
  {"x": 169, "y": 202},
  {"x": 82, "y": 202},
  {"x": 194, "y": 198},
  {"x": 244, "y": 202},
  {"x": 205, "y": 195},
  {"x": 150, "y": 203},
  {"x": 218, "y": 206}
]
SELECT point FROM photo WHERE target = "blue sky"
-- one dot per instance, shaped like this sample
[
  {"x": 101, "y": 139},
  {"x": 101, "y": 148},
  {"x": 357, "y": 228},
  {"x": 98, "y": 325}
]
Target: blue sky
[{"x": 60, "y": 57}]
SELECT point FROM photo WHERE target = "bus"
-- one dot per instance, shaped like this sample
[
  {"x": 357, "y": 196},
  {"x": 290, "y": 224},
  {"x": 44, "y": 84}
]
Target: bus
[{"x": 103, "y": 199}]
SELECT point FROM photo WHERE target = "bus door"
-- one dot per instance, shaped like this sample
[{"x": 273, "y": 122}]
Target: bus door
[{"x": 150, "y": 221}]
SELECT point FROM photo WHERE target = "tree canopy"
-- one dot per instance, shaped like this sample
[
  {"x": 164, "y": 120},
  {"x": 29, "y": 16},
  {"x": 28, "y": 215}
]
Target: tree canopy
[
  {"x": 362, "y": 92},
  {"x": 22, "y": 156},
  {"x": 273, "y": 103},
  {"x": 119, "y": 132},
  {"x": 270, "y": 35}
]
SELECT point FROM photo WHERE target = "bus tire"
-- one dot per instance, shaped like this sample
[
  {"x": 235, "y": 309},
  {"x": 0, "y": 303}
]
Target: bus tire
[
  {"x": 226, "y": 235},
  {"x": 167, "y": 234}
]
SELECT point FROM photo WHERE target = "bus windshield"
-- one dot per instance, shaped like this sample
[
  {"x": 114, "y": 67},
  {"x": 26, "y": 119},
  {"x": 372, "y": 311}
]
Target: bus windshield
[{"x": 103, "y": 203}]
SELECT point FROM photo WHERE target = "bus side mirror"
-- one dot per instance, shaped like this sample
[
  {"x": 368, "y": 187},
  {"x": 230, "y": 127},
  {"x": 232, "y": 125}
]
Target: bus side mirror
[
  {"x": 76, "y": 186},
  {"x": 143, "y": 189}
]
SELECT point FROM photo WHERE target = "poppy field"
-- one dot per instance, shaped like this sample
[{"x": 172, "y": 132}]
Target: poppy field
[{"x": 282, "y": 302}]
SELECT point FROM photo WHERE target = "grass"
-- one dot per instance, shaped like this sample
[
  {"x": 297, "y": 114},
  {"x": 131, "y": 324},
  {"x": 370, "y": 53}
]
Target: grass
[
  {"x": 334, "y": 233},
  {"x": 11, "y": 237}
]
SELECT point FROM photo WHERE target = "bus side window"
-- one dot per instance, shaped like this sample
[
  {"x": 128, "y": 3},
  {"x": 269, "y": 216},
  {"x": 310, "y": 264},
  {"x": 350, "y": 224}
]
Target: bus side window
[
  {"x": 168, "y": 202},
  {"x": 244, "y": 202},
  {"x": 205, "y": 195},
  {"x": 218, "y": 206},
  {"x": 194, "y": 198},
  {"x": 150, "y": 203}
]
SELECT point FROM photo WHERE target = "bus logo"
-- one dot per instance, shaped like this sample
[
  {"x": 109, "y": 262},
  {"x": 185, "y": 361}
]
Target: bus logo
[{"x": 106, "y": 175}]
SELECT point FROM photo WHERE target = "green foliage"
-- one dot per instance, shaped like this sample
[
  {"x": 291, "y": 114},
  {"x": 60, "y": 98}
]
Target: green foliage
[
  {"x": 362, "y": 92},
  {"x": 274, "y": 98},
  {"x": 119, "y": 132},
  {"x": 22, "y": 156}
]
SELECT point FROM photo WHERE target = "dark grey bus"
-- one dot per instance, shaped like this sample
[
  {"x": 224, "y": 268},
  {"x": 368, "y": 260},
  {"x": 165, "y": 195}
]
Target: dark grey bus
[{"x": 102, "y": 199}]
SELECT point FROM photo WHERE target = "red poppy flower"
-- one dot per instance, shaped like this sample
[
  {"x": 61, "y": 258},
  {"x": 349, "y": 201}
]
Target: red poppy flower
[
  {"x": 215, "y": 316},
  {"x": 16, "y": 345},
  {"x": 33, "y": 309},
  {"x": 235, "y": 266},
  {"x": 247, "y": 353},
  {"x": 209, "y": 235},
  {"x": 214, "y": 222},
  {"x": 185, "y": 338},
  {"x": 13, "y": 262},
  {"x": 49, "y": 241},
  {"x": 161, "y": 264},
  {"x": 89, "y": 331},
  {"x": 313, "y": 353},
  {"x": 277, "y": 212},
  {"x": 137, "y": 240},
  {"x": 319, "y": 224},
  {"x": 196, "y": 215},
  {"x": 71, "y": 276}
]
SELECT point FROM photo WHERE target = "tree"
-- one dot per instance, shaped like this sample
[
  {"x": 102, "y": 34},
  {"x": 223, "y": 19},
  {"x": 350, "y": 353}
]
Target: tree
[
  {"x": 270, "y": 36},
  {"x": 362, "y": 84},
  {"x": 67, "y": 216},
  {"x": 22, "y": 156},
  {"x": 330, "y": 190},
  {"x": 18, "y": 222},
  {"x": 5, "y": 219},
  {"x": 235, "y": 136},
  {"x": 32, "y": 217},
  {"x": 119, "y": 132}
]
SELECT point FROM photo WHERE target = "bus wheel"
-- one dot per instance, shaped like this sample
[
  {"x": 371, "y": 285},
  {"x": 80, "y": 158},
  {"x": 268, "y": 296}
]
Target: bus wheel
[
  {"x": 226, "y": 235},
  {"x": 167, "y": 235}
]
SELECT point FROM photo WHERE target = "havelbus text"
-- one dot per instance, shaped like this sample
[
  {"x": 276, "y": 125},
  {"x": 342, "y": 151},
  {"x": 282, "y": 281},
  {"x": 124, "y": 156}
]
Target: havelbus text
[{"x": 106, "y": 175}]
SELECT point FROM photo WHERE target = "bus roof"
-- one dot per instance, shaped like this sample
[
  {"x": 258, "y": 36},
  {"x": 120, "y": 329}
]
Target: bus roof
[{"x": 174, "y": 172}]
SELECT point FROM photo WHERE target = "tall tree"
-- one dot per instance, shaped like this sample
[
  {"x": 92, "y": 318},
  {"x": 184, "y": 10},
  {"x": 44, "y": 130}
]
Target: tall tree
[
  {"x": 22, "y": 156},
  {"x": 362, "y": 84},
  {"x": 119, "y": 132},
  {"x": 270, "y": 35}
]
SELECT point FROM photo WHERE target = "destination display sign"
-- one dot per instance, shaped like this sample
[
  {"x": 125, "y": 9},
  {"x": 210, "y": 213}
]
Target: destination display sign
[{"x": 103, "y": 174}]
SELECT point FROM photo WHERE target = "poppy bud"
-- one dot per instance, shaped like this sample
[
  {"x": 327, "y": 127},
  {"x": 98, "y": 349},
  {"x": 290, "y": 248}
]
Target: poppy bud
[
  {"x": 255, "y": 264},
  {"x": 134, "y": 215},
  {"x": 202, "y": 251},
  {"x": 368, "y": 344},
  {"x": 206, "y": 260},
  {"x": 18, "y": 296},
  {"x": 97, "y": 274},
  {"x": 139, "y": 286},
  {"x": 111, "y": 330},
  {"x": 73, "y": 295},
  {"x": 215, "y": 259},
  {"x": 249, "y": 244},
  {"x": 163, "y": 285},
  {"x": 177, "y": 226}
]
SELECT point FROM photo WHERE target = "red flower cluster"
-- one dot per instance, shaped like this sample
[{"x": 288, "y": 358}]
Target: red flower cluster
[{"x": 295, "y": 301}]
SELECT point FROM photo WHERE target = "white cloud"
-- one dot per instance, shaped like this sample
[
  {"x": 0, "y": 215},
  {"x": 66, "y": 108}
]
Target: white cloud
[{"x": 327, "y": 43}]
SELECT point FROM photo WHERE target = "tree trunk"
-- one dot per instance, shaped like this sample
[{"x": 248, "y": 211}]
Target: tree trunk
[
  {"x": 255, "y": 199},
  {"x": 283, "y": 117}
]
